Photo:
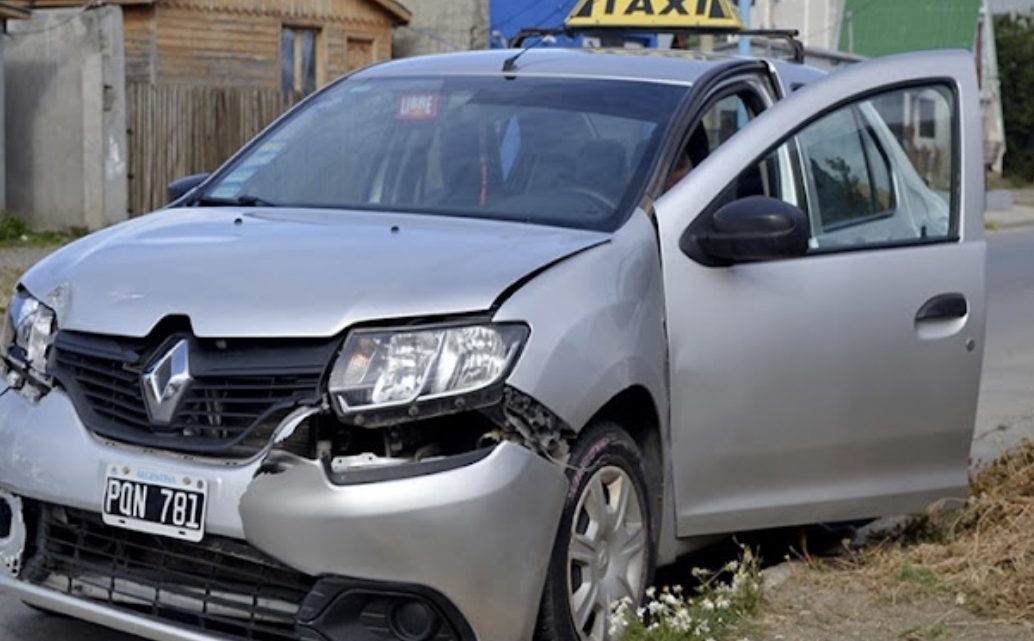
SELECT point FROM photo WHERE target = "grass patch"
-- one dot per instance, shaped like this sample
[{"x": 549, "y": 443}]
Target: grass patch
[
  {"x": 983, "y": 552},
  {"x": 920, "y": 581},
  {"x": 924, "y": 632},
  {"x": 1007, "y": 182},
  {"x": 8, "y": 279},
  {"x": 15, "y": 233}
]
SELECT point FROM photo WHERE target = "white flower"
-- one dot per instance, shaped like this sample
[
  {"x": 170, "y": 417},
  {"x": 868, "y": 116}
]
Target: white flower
[{"x": 683, "y": 621}]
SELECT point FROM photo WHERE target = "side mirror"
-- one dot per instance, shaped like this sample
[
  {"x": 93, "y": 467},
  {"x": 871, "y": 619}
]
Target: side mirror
[
  {"x": 751, "y": 229},
  {"x": 179, "y": 188}
]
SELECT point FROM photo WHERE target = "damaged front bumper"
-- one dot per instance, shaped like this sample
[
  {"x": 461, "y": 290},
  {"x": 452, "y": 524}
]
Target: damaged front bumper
[{"x": 474, "y": 539}]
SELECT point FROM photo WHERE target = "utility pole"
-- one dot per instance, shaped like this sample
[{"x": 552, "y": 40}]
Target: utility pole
[
  {"x": 745, "y": 16},
  {"x": 849, "y": 19}
]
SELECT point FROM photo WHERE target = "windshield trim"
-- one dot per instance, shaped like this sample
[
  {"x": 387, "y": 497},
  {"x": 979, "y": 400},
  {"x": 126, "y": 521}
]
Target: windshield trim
[{"x": 516, "y": 74}]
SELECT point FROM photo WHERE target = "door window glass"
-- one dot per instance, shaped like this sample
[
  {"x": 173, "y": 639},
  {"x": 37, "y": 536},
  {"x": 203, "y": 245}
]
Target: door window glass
[
  {"x": 725, "y": 118},
  {"x": 848, "y": 172},
  {"x": 880, "y": 171},
  {"x": 720, "y": 122}
]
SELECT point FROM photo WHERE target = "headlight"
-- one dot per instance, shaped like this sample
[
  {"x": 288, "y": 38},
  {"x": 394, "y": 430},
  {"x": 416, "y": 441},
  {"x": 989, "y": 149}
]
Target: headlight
[
  {"x": 28, "y": 332},
  {"x": 380, "y": 368}
]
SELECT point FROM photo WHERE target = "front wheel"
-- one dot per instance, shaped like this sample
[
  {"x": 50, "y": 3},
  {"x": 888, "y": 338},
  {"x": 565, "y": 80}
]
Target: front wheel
[{"x": 604, "y": 551}]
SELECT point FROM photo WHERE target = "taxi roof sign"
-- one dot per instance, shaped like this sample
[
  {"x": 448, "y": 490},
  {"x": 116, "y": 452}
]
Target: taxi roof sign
[{"x": 655, "y": 15}]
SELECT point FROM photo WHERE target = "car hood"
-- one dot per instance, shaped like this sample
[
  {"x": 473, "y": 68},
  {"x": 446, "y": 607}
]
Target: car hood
[{"x": 277, "y": 272}]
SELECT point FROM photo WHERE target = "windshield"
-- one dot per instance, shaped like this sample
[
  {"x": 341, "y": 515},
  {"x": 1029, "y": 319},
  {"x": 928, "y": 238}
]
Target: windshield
[{"x": 567, "y": 152}]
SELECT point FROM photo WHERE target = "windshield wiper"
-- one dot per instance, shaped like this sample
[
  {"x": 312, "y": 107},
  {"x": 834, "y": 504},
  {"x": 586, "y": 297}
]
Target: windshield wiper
[{"x": 236, "y": 201}]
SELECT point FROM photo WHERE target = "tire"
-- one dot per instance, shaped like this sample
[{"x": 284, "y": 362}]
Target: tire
[{"x": 605, "y": 466}]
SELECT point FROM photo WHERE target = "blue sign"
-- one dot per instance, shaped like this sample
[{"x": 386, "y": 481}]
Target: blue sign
[{"x": 508, "y": 17}]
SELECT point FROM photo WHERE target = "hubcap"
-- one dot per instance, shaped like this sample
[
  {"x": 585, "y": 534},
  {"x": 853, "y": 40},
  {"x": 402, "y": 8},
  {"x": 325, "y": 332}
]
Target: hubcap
[{"x": 606, "y": 555}]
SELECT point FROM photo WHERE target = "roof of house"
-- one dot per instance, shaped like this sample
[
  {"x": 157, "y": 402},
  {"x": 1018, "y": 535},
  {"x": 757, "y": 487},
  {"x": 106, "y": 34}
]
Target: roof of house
[
  {"x": 10, "y": 12},
  {"x": 884, "y": 27},
  {"x": 395, "y": 8}
]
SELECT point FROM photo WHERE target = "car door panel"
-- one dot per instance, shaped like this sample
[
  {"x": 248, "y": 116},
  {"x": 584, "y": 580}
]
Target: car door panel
[{"x": 807, "y": 390}]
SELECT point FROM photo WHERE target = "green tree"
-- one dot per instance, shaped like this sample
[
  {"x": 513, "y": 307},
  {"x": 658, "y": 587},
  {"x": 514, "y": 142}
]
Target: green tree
[{"x": 1015, "y": 35}]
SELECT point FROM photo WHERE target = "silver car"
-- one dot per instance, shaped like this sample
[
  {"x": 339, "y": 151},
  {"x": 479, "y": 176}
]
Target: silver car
[{"x": 465, "y": 346}]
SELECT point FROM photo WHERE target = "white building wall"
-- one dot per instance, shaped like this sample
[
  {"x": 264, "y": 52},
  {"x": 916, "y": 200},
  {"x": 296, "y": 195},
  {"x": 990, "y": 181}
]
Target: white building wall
[
  {"x": 441, "y": 26},
  {"x": 817, "y": 20},
  {"x": 991, "y": 93},
  {"x": 3, "y": 148},
  {"x": 1012, "y": 6},
  {"x": 66, "y": 118}
]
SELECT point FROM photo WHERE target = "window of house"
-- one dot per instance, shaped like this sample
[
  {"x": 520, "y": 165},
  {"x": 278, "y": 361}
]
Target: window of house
[
  {"x": 927, "y": 110},
  {"x": 298, "y": 60}
]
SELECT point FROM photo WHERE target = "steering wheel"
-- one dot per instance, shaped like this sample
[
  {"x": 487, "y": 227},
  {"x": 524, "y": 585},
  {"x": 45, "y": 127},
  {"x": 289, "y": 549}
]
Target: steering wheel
[{"x": 608, "y": 203}]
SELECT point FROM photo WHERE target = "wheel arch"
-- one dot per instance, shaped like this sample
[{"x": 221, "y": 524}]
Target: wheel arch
[{"x": 635, "y": 410}]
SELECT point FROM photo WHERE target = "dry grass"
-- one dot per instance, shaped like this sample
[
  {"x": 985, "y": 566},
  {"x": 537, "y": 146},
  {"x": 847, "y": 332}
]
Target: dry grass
[
  {"x": 8, "y": 279},
  {"x": 981, "y": 554}
]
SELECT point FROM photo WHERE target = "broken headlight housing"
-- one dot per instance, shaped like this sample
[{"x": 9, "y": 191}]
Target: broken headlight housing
[
  {"x": 28, "y": 332},
  {"x": 422, "y": 370}
]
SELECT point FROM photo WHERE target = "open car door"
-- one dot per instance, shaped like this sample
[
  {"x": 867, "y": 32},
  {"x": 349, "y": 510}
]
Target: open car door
[{"x": 824, "y": 284}]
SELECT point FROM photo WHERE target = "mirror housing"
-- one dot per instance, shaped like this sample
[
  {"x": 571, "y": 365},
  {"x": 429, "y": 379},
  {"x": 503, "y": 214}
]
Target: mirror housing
[
  {"x": 751, "y": 229},
  {"x": 181, "y": 187}
]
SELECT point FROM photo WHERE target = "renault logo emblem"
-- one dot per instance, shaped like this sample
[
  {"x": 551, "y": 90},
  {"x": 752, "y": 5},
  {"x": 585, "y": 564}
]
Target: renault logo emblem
[{"x": 166, "y": 382}]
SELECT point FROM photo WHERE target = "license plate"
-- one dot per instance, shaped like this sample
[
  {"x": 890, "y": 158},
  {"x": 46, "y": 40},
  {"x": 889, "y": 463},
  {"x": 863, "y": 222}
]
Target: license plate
[{"x": 155, "y": 502}]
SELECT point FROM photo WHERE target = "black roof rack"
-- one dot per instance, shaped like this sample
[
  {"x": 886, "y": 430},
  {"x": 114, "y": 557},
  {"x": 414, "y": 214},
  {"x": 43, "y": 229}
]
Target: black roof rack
[{"x": 787, "y": 35}]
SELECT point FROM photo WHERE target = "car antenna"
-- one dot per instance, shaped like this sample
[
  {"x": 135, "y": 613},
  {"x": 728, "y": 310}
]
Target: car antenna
[{"x": 544, "y": 35}]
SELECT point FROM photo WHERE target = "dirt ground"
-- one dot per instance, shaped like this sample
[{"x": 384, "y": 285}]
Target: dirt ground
[
  {"x": 807, "y": 604},
  {"x": 13, "y": 263}
]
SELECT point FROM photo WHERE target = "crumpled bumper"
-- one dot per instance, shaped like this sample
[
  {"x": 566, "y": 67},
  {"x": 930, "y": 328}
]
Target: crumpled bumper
[{"x": 480, "y": 535}]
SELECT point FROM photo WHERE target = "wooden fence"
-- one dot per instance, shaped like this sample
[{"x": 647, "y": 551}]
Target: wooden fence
[{"x": 176, "y": 131}]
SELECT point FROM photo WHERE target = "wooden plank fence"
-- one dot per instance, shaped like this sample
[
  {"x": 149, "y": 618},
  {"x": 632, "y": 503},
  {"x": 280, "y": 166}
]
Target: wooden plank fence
[{"x": 176, "y": 131}]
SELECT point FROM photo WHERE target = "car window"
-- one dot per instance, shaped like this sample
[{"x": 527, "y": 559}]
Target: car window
[
  {"x": 720, "y": 121},
  {"x": 567, "y": 152},
  {"x": 876, "y": 172},
  {"x": 725, "y": 117}
]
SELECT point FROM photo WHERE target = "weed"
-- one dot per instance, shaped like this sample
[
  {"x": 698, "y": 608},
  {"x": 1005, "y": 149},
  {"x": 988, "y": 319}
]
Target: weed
[
  {"x": 922, "y": 581},
  {"x": 982, "y": 552},
  {"x": 924, "y": 632},
  {"x": 722, "y": 600},
  {"x": 14, "y": 232}
]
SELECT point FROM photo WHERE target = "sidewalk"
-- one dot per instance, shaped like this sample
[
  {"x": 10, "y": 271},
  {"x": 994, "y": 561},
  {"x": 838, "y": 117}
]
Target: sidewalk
[
  {"x": 1017, "y": 216},
  {"x": 1007, "y": 209}
]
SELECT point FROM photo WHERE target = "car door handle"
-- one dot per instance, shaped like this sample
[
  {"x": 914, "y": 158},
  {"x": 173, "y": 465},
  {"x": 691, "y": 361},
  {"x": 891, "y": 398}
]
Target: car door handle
[{"x": 943, "y": 307}]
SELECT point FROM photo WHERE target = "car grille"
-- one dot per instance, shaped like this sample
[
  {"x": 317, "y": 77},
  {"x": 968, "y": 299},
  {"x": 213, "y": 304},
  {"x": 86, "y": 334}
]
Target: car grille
[
  {"x": 220, "y": 586},
  {"x": 226, "y": 410}
]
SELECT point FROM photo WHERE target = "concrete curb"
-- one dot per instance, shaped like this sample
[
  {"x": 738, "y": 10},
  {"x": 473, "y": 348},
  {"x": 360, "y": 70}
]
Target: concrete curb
[
  {"x": 1003, "y": 223},
  {"x": 1016, "y": 216}
]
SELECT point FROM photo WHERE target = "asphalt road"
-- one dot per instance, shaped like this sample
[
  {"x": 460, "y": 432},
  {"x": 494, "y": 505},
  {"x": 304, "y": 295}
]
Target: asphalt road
[{"x": 1006, "y": 412}]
